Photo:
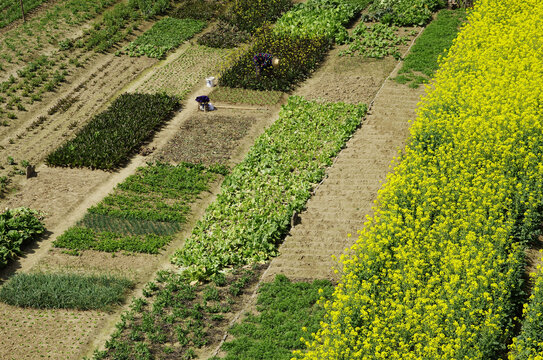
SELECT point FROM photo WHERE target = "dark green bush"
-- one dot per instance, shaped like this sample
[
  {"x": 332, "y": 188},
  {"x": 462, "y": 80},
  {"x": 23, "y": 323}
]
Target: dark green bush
[
  {"x": 298, "y": 58},
  {"x": 17, "y": 228},
  {"x": 109, "y": 139}
]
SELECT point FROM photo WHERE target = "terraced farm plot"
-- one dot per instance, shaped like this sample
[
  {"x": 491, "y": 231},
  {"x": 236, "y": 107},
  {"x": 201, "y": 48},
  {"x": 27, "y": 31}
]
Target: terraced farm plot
[
  {"x": 165, "y": 35},
  {"x": 143, "y": 212},
  {"x": 207, "y": 138},
  {"x": 190, "y": 68}
]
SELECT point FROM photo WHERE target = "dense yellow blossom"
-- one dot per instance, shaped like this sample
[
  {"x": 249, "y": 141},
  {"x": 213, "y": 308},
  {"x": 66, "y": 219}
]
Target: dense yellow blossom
[{"x": 434, "y": 271}]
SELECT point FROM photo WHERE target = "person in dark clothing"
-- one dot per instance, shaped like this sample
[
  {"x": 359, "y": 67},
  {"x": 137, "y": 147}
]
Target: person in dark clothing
[{"x": 263, "y": 61}]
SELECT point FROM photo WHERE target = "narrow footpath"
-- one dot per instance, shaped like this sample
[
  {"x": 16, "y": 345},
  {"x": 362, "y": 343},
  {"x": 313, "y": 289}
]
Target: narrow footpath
[{"x": 346, "y": 196}]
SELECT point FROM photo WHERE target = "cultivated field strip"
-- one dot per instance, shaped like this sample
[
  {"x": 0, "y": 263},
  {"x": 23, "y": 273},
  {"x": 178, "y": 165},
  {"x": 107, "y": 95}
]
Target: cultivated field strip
[
  {"x": 346, "y": 196},
  {"x": 38, "y": 134}
]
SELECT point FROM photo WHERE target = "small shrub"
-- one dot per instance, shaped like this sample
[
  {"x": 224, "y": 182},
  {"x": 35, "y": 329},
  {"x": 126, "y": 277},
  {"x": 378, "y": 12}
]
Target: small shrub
[{"x": 17, "y": 228}]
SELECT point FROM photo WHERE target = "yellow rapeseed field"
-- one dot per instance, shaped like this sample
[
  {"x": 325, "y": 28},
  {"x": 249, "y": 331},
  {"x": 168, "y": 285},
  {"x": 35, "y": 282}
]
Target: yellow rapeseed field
[{"x": 435, "y": 272}]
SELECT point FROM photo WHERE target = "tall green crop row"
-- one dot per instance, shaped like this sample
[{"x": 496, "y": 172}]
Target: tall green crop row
[{"x": 436, "y": 273}]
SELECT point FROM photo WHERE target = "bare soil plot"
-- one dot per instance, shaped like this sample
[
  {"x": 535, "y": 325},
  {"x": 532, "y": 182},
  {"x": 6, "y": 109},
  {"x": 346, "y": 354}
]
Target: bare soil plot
[
  {"x": 208, "y": 138},
  {"x": 27, "y": 333},
  {"x": 351, "y": 79}
]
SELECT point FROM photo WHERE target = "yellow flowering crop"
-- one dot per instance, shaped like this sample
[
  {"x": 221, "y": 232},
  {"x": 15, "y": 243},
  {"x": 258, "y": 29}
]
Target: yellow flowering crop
[{"x": 435, "y": 271}]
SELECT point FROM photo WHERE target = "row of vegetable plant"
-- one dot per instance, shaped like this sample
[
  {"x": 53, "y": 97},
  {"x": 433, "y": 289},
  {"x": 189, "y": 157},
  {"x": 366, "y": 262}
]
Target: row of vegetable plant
[
  {"x": 143, "y": 212},
  {"x": 404, "y": 12},
  {"x": 118, "y": 22},
  {"x": 204, "y": 10},
  {"x": 528, "y": 345},
  {"x": 320, "y": 18},
  {"x": 165, "y": 35},
  {"x": 437, "y": 272},
  {"x": 258, "y": 198},
  {"x": 65, "y": 291},
  {"x": 18, "y": 227},
  {"x": 176, "y": 316},
  {"x": 109, "y": 139},
  {"x": 11, "y": 10}
]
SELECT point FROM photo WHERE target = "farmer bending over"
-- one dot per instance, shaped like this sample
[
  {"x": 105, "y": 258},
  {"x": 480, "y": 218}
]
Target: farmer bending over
[{"x": 263, "y": 61}]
